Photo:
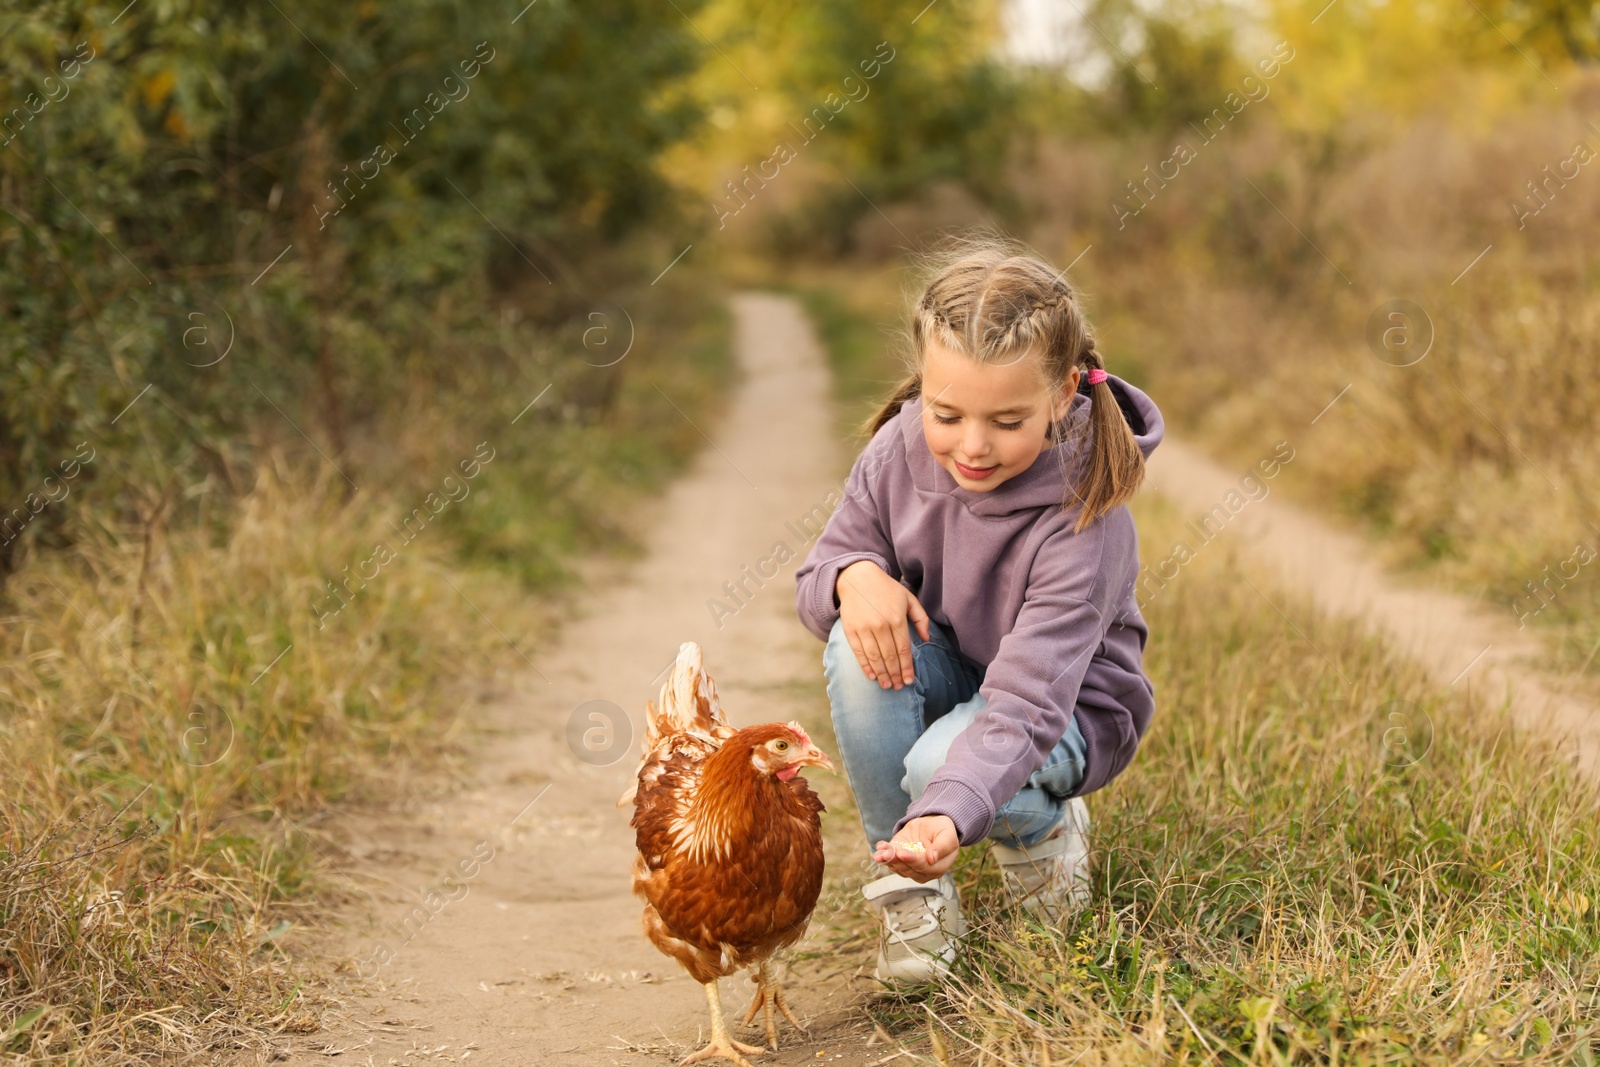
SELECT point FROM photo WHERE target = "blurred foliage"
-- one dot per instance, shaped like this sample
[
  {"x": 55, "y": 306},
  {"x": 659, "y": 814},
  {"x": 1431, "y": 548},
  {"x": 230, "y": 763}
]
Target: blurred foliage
[
  {"x": 1176, "y": 61},
  {"x": 1183, "y": 67},
  {"x": 942, "y": 102},
  {"x": 951, "y": 110},
  {"x": 920, "y": 95},
  {"x": 336, "y": 192}
]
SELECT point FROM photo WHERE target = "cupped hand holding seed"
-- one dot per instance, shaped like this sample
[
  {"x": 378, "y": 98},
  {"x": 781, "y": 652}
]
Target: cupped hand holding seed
[{"x": 924, "y": 849}]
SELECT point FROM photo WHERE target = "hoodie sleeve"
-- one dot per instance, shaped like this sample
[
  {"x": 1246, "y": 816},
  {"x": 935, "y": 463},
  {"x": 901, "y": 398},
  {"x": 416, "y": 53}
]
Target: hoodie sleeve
[
  {"x": 855, "y": 531},
  {"x": 1058, "y": 648}
]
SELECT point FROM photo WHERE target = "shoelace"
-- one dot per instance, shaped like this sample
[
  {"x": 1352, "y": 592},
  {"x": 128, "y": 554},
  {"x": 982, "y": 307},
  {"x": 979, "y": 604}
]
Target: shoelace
[{"x": 917, "y": 908}]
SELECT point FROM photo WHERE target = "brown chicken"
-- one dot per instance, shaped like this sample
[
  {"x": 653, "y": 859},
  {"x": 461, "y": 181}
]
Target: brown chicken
[{"x": 730, "y": 844}]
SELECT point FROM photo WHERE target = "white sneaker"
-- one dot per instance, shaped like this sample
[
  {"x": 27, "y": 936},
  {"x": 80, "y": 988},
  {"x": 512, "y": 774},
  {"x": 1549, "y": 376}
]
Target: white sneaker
[
  {"x": 921, "y": 922},
  {"x": 1051, "y": 878}
]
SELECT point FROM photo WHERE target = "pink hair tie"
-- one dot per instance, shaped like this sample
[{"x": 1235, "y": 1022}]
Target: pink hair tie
[{"x": 1096, "y": 376}]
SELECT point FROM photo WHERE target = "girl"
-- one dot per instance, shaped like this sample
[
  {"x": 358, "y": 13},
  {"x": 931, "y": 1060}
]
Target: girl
[{"x": 975, "y": 588}]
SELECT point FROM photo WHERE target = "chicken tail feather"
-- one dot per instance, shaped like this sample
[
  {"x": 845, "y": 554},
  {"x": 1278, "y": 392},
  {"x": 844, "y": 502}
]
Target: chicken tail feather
[
  {"x": 688, "y": 702},
  {"x": 686, "y": 716}
]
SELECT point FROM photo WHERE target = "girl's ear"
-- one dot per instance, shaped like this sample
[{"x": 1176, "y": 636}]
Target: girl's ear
[{"x": 1063, "y": 397}]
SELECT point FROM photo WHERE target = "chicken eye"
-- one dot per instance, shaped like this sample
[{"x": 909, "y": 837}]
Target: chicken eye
[{"x": 780, "y": 746}]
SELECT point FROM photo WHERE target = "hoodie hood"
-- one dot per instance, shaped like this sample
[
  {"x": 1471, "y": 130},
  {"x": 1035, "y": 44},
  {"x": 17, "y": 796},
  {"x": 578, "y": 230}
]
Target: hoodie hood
[{"x": 1044, "y": 484}]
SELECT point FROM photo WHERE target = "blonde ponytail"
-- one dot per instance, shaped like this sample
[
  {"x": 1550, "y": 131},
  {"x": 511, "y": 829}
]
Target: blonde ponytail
[
  {"x": 904, "y": 392},
  {"x": 1116, "y": 464}
]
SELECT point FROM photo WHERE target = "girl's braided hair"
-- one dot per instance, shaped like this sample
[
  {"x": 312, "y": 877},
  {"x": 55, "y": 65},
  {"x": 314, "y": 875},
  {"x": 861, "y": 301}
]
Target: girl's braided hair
[{"x": 993, "y": 300}]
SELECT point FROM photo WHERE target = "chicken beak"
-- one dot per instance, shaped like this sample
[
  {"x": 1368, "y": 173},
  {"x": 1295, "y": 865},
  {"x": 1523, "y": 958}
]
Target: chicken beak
[{"x": 815, "y": 757}]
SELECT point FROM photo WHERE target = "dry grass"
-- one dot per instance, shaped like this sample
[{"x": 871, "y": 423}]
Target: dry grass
[
  {"x": 175, "y": 719},
  {"x": 153, "y": 756}
]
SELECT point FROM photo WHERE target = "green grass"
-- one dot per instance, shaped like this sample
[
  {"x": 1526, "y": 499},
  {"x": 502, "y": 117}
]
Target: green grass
[
  {"x": 858, "y": 353},
  {"x": 1318, "y": 856},
  {"x": 561, "y": 487}
]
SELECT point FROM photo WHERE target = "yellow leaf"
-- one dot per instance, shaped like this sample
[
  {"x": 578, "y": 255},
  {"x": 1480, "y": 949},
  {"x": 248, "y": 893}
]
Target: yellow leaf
[{"x": 157, "y": 88}]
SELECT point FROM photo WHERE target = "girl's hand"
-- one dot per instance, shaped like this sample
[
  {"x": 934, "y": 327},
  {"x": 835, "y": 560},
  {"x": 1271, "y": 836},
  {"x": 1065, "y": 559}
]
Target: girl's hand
[
  {"x": 933, "y": 845},
  {"x": 874, "y": 609}
]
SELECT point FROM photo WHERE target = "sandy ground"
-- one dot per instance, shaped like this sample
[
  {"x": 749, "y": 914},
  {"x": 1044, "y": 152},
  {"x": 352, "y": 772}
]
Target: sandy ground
[
  {"x": 1462, "y": 645},
  {"x": 532, "y": 952}
]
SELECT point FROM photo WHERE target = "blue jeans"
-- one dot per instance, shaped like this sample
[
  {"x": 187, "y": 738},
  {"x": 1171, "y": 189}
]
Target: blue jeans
[{"x": 894, "y": 740}]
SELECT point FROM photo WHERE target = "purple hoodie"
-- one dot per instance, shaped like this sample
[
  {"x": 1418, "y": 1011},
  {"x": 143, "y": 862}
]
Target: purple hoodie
[{"x": 1050, "y": 614}]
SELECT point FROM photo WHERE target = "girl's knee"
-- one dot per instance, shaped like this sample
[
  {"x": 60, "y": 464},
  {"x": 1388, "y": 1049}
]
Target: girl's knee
[
  {"x": 933, "y": 747},
  {"x": 856, "y": 701},
  {"x": 922, "y": 763},
  {"x": 1032, "y": 820},
  {"x": 844, "y": 671},
  {"x": 839, "y": 663},
  {"x": 838, "y": 646}
]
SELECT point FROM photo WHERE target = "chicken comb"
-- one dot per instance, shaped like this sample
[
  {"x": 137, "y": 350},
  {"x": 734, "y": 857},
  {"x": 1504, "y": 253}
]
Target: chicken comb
[{"x": 799, "y": 731}]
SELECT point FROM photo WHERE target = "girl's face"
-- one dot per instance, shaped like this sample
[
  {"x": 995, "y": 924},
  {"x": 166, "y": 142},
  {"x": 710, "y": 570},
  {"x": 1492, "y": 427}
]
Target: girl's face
[{"x": 986, "y": 423}]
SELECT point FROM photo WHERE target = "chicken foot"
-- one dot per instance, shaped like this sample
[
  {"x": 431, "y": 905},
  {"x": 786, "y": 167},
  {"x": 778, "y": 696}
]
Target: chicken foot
[
  {"x": 769, "y": 994},
  {"x": 721, "y": 1044}
]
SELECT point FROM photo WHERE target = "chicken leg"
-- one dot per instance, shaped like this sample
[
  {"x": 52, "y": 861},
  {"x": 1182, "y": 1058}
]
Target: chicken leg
[
  {"x": 768, "y": 995},
  {"x": 721, "y": 1044}
]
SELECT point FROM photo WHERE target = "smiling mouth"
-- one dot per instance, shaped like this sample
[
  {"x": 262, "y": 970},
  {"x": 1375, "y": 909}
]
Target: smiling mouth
[{"x": 976, "y": 473}]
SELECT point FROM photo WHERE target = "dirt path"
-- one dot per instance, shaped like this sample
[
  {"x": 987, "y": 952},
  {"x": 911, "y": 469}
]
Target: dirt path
[
  {"x": 532, "y": 954},
  {"x": 1457, "y": 641},
  {"x": 542, "y": 961}
]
